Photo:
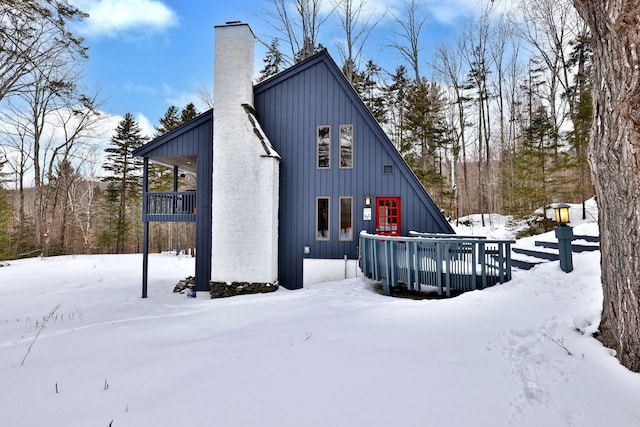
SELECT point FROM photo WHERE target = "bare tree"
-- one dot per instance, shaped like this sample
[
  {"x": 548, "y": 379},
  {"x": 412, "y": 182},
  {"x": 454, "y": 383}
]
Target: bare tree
[
  {"x": 448, "y": 64},
  {"x": 298, "y": 22},
  {"x": 549, "y": 27},
  {"x": 206, "y": 97},
  {"x": 357, "y": 28},
  {"x": 31, "y": 33},
  {"x": 410, "y": 29},
  {"x": 474, "y": 45},
  {"x": 79, "y": 124},
  {"x": 614, "y": 155}
]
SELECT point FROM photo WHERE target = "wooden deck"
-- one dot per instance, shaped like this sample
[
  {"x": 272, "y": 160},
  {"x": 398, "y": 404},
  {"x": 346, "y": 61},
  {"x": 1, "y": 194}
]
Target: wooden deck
[{"x": 445, "y": 262}]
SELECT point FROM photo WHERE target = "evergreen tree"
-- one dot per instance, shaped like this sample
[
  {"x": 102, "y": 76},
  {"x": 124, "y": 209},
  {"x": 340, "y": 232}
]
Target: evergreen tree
[
  {"x": 581, "y": 58},
  {"x": 307, "y": 50},
  {"x": 189, "y": 112},
  {"x": 5, "y": 216},
  {"x": 428, "y": 138},
  {"x": 273, "y": 61},
  {"x": 112, "y": 226},
  {"x": 125, "y": 178},
  {"x": 170, "y": 120},
  {"x": 396, "y": 95},
  {"x": 537, "y": 161},
  {"x": 160, "y": 177},
  {"x": 366, "y": 85}
]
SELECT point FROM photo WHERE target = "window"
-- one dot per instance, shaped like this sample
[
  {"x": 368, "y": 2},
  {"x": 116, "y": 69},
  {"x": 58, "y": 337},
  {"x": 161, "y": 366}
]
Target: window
[
  {"x": 346, "y": 146},
  {"x": 346, "y": 218},
  {"x": 387, "y": 169},
  {"x": 324, "y": 147},
  {"x": 322, "y": 218}
]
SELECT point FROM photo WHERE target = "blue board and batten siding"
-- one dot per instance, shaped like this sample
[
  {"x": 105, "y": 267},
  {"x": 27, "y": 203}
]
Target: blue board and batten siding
[
  {"x": 194, "y": 138},
  {"x": 290, "y": 107}
]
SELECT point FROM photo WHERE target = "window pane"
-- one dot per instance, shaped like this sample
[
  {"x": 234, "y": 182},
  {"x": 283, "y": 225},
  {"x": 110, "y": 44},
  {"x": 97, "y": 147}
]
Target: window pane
[
  {"x": 346, "y": 146},
  {"x": 322, "y": 218},
  {"x": 346, "y": 218},
  {"x": 324, "y": 146}
]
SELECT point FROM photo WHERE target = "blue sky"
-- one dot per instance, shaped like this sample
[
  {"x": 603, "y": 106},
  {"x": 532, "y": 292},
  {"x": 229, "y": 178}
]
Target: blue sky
[{"x": 146, "y": 55}]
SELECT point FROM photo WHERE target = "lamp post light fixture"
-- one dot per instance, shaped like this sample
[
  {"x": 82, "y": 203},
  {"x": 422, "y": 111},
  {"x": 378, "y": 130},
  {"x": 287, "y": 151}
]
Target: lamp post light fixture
[
  {"x": 564, "y": 233},
  {"x": 562, "y": 213}
]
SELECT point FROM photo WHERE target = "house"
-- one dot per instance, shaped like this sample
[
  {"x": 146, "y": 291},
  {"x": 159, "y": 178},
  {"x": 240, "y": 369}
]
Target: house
[{"x": 289, "y": 171}]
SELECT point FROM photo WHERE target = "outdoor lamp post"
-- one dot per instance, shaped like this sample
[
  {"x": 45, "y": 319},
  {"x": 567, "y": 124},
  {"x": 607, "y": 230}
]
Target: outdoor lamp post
[{"x": 564, "y": 233}]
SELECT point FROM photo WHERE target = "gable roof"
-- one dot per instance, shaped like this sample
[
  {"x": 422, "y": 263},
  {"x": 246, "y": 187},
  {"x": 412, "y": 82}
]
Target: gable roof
[
  {"x": 323, "y": 58},
  {"x": 183, "y": 157}
]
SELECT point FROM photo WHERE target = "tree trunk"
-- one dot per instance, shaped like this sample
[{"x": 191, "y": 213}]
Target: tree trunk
[{"x": 614, "y": 156}]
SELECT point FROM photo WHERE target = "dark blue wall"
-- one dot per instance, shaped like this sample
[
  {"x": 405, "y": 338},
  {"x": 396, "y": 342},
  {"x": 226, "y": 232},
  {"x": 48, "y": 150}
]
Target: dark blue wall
[
  {"x": 290, "y": 106},
  {"x": 194, "y": 138}
]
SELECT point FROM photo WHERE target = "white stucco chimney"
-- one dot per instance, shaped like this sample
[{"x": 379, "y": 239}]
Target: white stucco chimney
[{"x": 245, "y": 168}]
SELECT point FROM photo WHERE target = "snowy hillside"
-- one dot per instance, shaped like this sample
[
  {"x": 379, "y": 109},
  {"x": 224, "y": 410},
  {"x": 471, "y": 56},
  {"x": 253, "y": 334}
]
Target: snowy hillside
[{"x": 335, "y": 354}]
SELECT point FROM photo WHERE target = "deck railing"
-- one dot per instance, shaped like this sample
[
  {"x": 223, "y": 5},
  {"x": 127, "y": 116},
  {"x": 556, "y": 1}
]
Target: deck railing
[
  {"x": 172, "y": 206},
  {"x": 458, "y": 263}
]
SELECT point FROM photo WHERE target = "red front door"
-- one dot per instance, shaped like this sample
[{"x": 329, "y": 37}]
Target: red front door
[{"x": 388, "y": 216}]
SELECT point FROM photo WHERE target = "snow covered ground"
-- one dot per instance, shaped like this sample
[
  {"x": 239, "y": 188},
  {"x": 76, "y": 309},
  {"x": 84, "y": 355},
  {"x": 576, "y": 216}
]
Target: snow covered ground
[{"x": 334, "y": 354}]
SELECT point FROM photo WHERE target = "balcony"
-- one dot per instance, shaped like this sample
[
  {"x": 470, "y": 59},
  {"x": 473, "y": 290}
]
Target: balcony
[{"x": 173, "y": 206}]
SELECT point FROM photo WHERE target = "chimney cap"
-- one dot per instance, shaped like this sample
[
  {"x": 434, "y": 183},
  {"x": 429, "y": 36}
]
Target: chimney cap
[{"x": 235, "y": 24}]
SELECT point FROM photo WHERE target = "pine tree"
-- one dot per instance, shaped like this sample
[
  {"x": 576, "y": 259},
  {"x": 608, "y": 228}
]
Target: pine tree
[
  {"x": 427, "y": 137},
  {"x": 125, "y": 178},
  {"x": 170, "y": 120},
  {"x": 396, "y": 95},
  {"x": 366, "y": 85},
  {"x": 189, "y": 112},
  {"x": 537, "y": 161},
  {"x": 5, "y": 215},
  {"x": 581, "y": 115},
  {"x": 112, "y": 225},
  {"x": 273, "y": 61}
]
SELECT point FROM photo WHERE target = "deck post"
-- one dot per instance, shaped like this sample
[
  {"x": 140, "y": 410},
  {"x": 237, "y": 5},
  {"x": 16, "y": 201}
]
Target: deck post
[
  {"x": 508, "y": 253},
  {"x": 145, "y": 229},
  {"x": 439, "y": 266},
  {"x": 501, "y": 272},
  {"x": 483, "y": 265},
  {"x": 392, "y": 263},
  {"x": 408, "y": 250},
  {"x": 447, "y": 264}
]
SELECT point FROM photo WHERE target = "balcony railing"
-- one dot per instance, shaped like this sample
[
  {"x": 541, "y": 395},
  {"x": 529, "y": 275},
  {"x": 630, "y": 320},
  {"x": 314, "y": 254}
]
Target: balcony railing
[
  {"x": 174, "y": 206},
  {"x": 444, "y": 263}
]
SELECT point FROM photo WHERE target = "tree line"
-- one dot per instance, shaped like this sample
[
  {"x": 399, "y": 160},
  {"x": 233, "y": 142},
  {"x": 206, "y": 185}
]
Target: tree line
[{"x": 500, "y": 125}]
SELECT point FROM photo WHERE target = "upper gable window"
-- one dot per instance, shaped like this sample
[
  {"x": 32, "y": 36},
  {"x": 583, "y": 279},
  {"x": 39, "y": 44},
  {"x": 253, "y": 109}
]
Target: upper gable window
[
  {"x": 324, "y": 147},
  {"x": 346, "y": 146}
]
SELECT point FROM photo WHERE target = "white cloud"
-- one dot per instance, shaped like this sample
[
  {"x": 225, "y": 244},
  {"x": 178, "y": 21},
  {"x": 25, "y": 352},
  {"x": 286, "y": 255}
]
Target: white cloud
[
  {"x": 145, "y": 125},
  {"x": 112, "y": 17},
  {"x": 445, "y": 12}
]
